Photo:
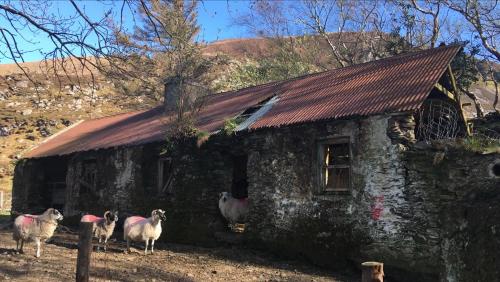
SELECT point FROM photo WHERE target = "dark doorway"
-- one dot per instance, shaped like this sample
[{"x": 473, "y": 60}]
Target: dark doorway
[
  {"x": 54, "y": 185},
  {"x": 239, "y": 187}
]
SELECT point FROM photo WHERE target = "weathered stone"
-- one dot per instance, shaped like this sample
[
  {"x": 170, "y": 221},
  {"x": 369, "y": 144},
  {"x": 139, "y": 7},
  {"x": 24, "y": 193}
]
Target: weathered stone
[
  {"x": 425, "y": 218},
  {"x": 26, "y": 112}
]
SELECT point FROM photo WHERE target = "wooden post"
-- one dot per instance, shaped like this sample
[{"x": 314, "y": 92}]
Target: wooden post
[
  {"x": 84, "y": 252},
  {"x": 372, "y": 271}
]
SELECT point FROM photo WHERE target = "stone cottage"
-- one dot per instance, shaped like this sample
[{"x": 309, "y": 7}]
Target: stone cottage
[{"x": 336, "y": 165}]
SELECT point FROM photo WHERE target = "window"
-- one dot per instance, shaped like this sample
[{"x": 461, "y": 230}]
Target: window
[
  {"x": 165, "y": 175},
  {"x": 335, "y": 165},
  {"x": 89, "y": 173}
]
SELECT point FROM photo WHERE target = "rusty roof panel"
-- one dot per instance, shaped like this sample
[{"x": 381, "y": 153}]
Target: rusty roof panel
[
  {"x": 395, "y": 84},
  {"x": 147, "y": 126}
]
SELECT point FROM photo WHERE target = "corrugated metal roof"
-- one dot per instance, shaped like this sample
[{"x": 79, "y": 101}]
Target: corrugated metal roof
[
  {"x": 395, "y": 84},
  {"x": 148, "y": 126}
]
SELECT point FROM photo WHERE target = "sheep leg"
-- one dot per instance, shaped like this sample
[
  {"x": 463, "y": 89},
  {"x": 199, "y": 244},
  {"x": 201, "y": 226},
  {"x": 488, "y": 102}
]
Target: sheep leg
[
  {"x": 17, "y": 245},
  {"x": 105, "y": 244},
  {"x": 152, "y": 245},
  {"x": 99, "y": 244},
  {"x": 21, "y": 251},
  {"x": 146, "y": 248},
  {"x": 128, "y": 245},
  {"x": 38, "y": 246}
]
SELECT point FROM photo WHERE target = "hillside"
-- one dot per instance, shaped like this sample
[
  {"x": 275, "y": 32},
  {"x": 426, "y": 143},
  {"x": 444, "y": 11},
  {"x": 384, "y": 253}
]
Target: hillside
[{"x": 29, "y": 114}]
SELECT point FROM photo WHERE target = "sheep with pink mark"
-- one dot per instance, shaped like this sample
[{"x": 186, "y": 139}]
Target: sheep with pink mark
[
  {"x": 140, "y": 229},
  {"x": 102, "y": 227},
  {"x": 232, "y": 209},
  {"x": 38, "y": 228}
]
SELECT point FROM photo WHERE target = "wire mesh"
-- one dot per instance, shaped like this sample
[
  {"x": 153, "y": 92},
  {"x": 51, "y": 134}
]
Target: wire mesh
[{"x": 438, "y": 120}]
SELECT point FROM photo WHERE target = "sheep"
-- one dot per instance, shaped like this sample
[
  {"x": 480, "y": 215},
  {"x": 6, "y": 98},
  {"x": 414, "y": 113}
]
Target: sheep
[
  {"x": 137, "y": 228},
  {"x": 232, "y": 209},
  {"x": 103, "y": 227},
  {"x": 39, "y": 228}
]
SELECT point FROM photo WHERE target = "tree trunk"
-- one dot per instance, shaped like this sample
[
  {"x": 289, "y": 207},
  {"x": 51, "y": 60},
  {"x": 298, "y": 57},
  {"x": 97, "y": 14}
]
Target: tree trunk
[{"x": 477, "y": 104}]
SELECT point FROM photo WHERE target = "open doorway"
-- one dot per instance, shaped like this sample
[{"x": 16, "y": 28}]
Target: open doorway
[
  {"x": 239, "y": 186},
  {"x": 54, "y": 183}
]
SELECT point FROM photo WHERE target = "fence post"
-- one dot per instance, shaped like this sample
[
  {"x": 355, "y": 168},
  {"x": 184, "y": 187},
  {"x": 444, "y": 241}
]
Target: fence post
[
  {"x": 84, "y": 252},
  {"x": 372, "y": 271}
]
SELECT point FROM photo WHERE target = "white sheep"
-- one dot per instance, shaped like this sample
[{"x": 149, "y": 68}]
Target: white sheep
[
  {"x": 103, "y": 227},
  {"x": 38, "y": 228},
  {"x": 138, "y": 228},
  {"x": 232, "y": 209}
]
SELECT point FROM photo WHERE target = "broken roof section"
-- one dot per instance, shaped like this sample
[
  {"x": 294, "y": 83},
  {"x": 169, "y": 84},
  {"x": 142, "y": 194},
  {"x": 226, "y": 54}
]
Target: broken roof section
[{"x": 396, "y": 84}]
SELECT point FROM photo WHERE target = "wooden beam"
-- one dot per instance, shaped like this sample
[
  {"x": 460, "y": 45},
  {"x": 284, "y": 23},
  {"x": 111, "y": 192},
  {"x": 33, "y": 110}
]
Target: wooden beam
[
  {"x": 445, "y": 91},
  {"x": 84, "y": 252},
  {"x": 372, "y": 271}
]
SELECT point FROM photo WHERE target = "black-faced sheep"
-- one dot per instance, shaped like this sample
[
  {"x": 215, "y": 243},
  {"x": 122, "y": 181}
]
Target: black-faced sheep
[
  {"x": 232, "y": 209},
  {"x": 103, "y": 227},
  {"x": 38, "y": 228},
  {"x": 137, "y": 228}
]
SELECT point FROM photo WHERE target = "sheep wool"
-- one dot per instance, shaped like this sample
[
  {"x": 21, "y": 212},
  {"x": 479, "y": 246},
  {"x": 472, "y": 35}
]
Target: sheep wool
[
  {"x": 103, "y": 227},
  {"x": 232, "y": 209},
  {"x": 140, "y": 229},
  {"x": 38, "y": 228}
]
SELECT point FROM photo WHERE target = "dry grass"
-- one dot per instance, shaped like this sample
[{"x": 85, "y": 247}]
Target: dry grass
[{"x": 170, "y": 262}]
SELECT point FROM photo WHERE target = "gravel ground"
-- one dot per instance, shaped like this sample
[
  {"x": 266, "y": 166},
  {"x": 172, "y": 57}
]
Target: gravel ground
[{"x": 170, "y": 262}]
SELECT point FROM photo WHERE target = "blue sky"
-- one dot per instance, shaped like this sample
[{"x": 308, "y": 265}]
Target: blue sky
[{"x": 214, "y": 17}]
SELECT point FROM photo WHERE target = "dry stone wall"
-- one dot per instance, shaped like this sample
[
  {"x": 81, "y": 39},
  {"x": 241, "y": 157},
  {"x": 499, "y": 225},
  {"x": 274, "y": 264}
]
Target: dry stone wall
[{"x": 429, "y": 213}]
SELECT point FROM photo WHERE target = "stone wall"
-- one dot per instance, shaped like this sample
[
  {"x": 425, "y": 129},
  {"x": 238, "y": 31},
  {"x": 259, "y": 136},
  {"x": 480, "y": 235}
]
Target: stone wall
[
  {"x": 375, "y": 220},
  {"x": 24, "y": 192},
  {"x": 428, "y": 213},
  {"x": 410, "y": 207}
]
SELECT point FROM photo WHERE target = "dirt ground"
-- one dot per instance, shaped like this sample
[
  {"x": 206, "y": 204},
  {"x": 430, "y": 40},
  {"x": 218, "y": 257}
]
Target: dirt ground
[{"x": 170, "y": 262}]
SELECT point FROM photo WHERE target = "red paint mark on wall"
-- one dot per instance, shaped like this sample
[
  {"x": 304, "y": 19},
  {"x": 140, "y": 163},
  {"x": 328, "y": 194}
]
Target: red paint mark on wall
[{"x": 377, "y": 207}]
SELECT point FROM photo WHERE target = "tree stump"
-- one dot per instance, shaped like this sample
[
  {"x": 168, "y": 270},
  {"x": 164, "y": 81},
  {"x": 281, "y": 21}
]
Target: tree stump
[
  {"x": 372, "y": 271},
  {"x": 84, "y": 252}
]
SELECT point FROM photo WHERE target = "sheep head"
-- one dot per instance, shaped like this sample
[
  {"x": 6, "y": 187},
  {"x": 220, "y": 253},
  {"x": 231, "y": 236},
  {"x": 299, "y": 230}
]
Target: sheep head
[
  {"x": 111, "y": 216},
  {"x": 159, "y": 213},
  {"x": 54, "y": 214},
  {"x": 224, "y": 196}
]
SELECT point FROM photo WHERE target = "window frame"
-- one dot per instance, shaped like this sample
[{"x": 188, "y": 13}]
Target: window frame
[
  {"x": 89, "y": 172},
  {"x": 161, "y": 188},
  {"x": 321, "y": 167}
]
